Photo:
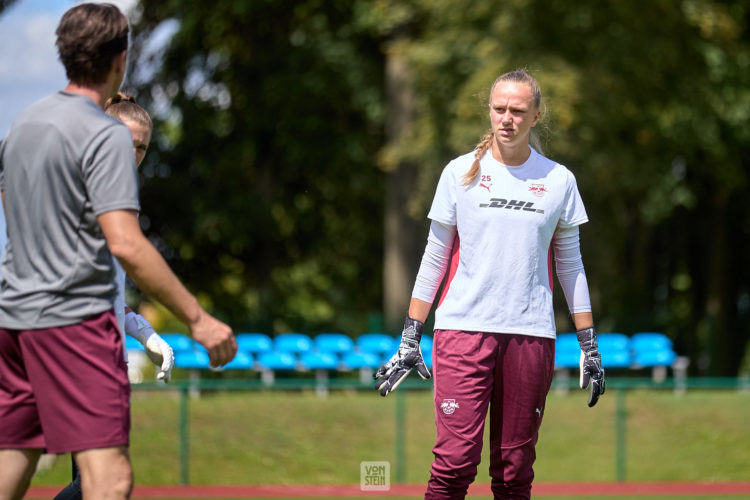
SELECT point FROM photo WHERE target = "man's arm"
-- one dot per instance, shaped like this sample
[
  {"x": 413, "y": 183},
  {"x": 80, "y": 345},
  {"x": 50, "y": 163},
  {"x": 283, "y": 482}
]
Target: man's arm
[{"x": 146, "y": 267}]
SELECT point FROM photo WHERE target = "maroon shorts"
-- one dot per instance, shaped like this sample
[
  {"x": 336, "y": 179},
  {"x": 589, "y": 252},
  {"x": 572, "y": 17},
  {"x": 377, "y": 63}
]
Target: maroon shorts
[{"x": 64, "y": 388}]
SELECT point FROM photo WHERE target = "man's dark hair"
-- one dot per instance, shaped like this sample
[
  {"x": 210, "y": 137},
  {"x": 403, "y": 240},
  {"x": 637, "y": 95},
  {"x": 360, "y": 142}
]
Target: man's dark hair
[{"x": 88, "y": 39}]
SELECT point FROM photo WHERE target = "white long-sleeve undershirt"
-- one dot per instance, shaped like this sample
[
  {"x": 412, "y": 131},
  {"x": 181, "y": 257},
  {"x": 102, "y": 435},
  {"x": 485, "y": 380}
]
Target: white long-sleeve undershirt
[
  {"x": 570, "y": 271},
  {"x": 437, "y": 255},
  {"x": 568, "y": 263}
]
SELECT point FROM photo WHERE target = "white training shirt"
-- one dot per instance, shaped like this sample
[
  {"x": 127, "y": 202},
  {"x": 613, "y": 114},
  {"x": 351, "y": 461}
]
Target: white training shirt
[{"x": 500, "y": 274}]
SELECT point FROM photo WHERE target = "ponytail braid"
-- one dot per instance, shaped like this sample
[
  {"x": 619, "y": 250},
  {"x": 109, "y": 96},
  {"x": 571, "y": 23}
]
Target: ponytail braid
[{"x": 481, "y": 149}]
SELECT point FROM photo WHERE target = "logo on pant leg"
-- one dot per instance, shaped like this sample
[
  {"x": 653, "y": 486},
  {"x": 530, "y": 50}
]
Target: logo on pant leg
[{"x": 448, "y": 406}]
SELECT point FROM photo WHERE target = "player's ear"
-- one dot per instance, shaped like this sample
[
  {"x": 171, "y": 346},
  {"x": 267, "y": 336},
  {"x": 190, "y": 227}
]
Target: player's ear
[
  {"x": 536, "y": 117},
  {"x": 122, "y": 60},
  {"x": 120, "y": 63}
]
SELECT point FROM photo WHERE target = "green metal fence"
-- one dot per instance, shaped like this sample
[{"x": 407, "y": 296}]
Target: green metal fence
[{"x": 620, "y": 386}]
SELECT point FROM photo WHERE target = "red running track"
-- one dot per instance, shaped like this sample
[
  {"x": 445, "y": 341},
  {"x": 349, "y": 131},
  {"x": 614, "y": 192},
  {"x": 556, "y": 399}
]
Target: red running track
[{"x": 417, "y": 490}]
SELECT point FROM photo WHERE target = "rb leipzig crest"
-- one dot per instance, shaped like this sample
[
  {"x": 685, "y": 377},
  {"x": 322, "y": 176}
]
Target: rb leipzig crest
[
  {"x": 538, "y": 190},
  {"x": 448, "y": 406}
]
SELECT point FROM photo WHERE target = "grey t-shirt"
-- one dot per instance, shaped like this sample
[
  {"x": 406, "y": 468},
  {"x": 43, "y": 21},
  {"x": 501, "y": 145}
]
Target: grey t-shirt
[{"x": 63, "y": 163}]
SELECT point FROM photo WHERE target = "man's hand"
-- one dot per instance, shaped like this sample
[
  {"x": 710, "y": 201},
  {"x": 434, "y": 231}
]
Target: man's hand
[
  {"x": 408, "y": 357},
  {"x": 592, "y": 373},
  {"x": 145, "y": 265},
  {"x": 216, "y": 337},
  {"x": 157, "y": 350}
]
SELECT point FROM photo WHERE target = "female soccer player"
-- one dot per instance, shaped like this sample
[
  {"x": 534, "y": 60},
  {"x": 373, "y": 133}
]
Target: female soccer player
[{"x": 496, "y": 216}]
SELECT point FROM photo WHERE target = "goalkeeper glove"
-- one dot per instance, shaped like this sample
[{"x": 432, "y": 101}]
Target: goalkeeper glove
[
  {"x": 592, "y": 373},
  {"x": 408, "y": 357},
  {"x": 158, "y": 351}
]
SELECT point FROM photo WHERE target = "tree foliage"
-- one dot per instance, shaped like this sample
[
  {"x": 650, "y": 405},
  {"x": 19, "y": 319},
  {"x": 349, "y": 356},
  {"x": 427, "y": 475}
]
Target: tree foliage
[
  {"x": 267, "y": 179},
  {"x": 262, "y": 188},
  {"x": 4, "y": 4}
]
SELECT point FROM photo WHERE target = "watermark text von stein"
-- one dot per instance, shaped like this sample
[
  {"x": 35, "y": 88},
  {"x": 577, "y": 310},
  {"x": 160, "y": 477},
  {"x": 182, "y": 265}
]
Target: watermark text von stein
[{"x": 374, "y": 476}]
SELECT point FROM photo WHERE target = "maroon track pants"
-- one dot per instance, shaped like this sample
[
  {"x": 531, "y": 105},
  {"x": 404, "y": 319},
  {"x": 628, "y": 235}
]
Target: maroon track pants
[{"x": 511, "y": 374}]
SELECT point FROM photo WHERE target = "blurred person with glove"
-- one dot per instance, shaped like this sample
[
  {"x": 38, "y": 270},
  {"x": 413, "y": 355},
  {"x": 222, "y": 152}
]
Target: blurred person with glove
[{"x": 125, "y": 109}]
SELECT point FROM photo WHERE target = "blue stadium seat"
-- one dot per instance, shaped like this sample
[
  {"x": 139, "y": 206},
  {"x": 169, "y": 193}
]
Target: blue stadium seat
[
  {"x": 654, "y": 358},
  {"x": 241, "y": 361},
  {"x": 380, "y": 344},
  {"x": 314, "y": 360},
  {"x": 253, "y": 343},
  {"x": 191, "y": 359},
  {"x": 427, "y": 360},
  {"x": 567, "y": 351},
  {"x": 567, "y": 359},
  {"x": 567, "y": 342},
  {"x": 292, "y": 342},
  {"x": 613, "y": 347},
  {"x": 274, "y": 360},
  {"x": 357, "y": 360},
  {"x": 651, "y": 349},
  {"x": 132, "y": 344},
  {"x": 336, "y": 343},
  {"x": 615, "y": 350},
  {"x": 321, "y": 363},
  {"x": 179, "y": 342},
  {"x": 650, "y": 340},
  {"x": 426, "y": 345}
]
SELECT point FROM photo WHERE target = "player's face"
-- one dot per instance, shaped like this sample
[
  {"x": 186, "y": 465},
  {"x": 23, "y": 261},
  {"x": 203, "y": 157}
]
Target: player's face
[
  {"x": 512, "y": 113},
  {"x": 141, "y": 138}
]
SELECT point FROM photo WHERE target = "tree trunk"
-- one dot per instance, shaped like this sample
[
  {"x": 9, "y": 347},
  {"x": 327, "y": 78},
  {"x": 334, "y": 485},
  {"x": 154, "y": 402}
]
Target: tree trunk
[{"x": 401, "y": 246}]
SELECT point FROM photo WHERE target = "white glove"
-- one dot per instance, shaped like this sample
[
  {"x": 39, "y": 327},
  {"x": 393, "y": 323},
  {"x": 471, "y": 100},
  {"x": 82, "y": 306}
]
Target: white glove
[{"x": 157, "y": 349}]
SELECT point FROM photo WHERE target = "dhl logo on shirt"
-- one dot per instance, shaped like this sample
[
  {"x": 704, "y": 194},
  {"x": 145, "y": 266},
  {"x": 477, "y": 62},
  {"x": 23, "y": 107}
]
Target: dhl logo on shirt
[{"x": 527, "y": 206}]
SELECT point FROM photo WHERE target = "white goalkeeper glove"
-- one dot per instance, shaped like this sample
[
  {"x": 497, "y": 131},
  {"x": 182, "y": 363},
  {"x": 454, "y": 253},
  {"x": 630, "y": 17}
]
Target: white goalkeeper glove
[{"x": 156, "y": 347}]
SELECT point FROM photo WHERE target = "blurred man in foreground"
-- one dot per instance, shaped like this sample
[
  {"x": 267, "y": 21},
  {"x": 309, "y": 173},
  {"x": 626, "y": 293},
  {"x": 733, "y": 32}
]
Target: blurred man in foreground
[{"x": 70, "y": 195}]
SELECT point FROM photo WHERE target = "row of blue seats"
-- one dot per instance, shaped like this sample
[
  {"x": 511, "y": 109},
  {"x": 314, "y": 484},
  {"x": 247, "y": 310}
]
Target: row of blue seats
[
  {"x": 641, "y": 350},
  {"x": 294, "y": 351},
  {"x": 337, "y": 351}
]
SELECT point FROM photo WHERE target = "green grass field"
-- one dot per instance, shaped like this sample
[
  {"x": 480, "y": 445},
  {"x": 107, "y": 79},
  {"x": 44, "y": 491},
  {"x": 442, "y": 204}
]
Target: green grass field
[{"x": 270, "y": 437}]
